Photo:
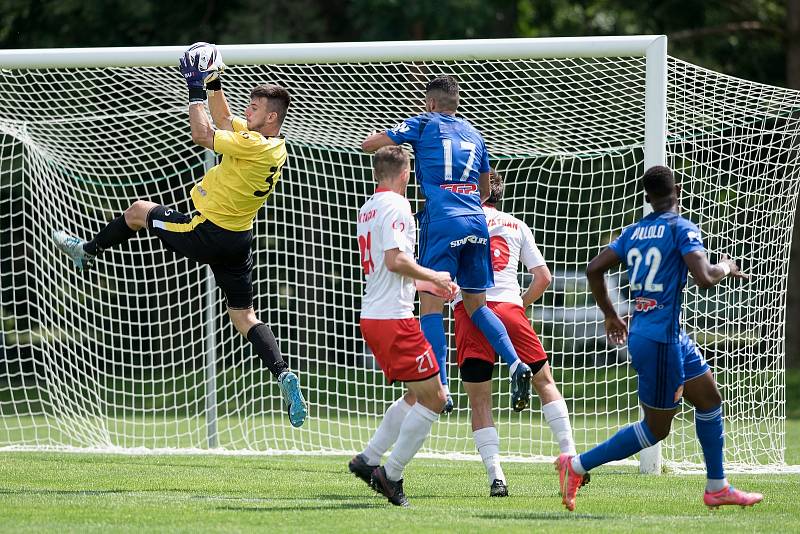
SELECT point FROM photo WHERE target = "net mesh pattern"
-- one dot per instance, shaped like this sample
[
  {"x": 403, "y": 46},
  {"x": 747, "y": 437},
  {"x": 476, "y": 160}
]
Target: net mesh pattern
[{"x": 115, "y": 358}]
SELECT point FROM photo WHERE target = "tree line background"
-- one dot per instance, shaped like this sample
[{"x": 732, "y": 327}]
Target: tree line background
[{"x": 757, "y": 40}]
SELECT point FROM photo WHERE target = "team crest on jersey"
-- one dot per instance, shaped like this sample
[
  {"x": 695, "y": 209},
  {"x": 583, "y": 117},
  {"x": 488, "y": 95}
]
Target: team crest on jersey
[
  {"x": 644, "y": 304},
  {"x": 693, "y": 236},
  {"x": 402, "y": 127}
]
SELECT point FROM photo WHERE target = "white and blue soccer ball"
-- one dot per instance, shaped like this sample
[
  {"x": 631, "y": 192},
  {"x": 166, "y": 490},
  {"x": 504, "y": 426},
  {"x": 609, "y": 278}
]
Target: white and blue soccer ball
[{"x": 210, "y": 59}]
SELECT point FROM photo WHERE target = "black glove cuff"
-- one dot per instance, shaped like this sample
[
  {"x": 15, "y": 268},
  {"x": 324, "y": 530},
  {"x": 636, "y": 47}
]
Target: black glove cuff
[
  {"x": 214, "y": 85},
  {"x": 197, "y": 94}
]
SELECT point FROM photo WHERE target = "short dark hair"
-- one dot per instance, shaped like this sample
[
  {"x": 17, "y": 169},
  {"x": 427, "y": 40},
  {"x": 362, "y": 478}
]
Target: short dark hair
[
  {"x": 277, "y": 98},
  {"x": 388, "y": 162},
  {"x": 445, "y": 90},
  {"x": 658, "y": 181},
  {"x": 497, "y": 185}
]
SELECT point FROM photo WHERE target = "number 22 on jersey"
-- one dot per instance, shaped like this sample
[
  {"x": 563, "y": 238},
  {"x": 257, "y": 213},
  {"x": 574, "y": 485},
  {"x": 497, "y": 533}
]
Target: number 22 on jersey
[{"x": 652, "y": 259}]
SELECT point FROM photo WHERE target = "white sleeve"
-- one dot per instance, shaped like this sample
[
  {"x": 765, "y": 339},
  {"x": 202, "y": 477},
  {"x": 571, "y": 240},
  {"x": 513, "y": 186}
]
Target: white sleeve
[
  {"x": 529, "y": 252},
  {"x": 395, "y": 228}
]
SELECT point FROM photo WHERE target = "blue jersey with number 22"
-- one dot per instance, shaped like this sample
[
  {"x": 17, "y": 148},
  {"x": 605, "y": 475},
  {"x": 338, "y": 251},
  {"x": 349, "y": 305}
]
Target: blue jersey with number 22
[
  {"x": 449, "y": 155},
  {"x": 653, "y": 250}
]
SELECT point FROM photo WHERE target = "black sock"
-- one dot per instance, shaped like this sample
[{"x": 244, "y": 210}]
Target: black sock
[
  {"x": 115, "y": 233},
  {"x": 267, "y": 348}
]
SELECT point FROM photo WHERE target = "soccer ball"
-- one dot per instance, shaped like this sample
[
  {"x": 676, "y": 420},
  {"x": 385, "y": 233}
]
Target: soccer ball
[{"x": 210, "y": 60}]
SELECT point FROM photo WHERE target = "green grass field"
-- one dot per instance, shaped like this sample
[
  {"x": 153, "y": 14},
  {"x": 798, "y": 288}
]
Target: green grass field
[
  {"x": 206, "y": 493},
  {"x": 96, "y": 492}
]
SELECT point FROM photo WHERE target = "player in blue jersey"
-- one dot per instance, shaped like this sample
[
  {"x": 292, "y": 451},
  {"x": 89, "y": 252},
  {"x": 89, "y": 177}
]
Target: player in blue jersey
[
  {"x": 658, "y": 251},
  {"x": 451, "y": 164}
]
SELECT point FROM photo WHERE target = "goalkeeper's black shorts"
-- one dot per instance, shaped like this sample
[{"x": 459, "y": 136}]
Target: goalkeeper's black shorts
[{"x": 227, "y": 252}]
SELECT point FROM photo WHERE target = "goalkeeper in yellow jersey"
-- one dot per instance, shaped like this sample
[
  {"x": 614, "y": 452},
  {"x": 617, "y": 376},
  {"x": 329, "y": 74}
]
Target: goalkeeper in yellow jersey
[{"x": 227, "y": 199}]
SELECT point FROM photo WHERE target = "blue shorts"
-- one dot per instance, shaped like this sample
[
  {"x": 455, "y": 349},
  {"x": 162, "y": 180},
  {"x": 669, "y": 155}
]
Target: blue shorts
[
  {"x": 460, "y": 246},
  {"x": 663, "y": 368}
]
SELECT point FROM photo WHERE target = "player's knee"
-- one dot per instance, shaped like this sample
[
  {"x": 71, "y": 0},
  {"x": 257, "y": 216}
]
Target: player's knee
[
  {"x": 659, "y": 428},
  {"x": 136, "y": 214},
  {"x": 243, "y": 320},
  {"x": 433, "y": 398}
]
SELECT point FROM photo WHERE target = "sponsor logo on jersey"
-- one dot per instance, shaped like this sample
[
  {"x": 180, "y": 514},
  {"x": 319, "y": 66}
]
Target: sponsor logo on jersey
[
  {"x": 201, "y": 191},
  {"x": 461, "y": 189},
  {"x": 648, "y": 232},
  {"x": 644, "y": 304},
  {"x": 468, "y": 239},
  {"x": 399, "y": 225}
]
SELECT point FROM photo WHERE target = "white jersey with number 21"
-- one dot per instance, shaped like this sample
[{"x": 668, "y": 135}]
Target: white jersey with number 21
[
  {"x": 385, "y": 222},
  {"x": 510, "y": 241}
]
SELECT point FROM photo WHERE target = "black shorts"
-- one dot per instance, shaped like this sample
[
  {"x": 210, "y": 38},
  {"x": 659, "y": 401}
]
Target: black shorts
[{"x": 227, "y": 252}]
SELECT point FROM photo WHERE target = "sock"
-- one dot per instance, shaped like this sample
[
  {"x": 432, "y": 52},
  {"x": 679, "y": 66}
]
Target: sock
[
  {"x": 624, "y": 443},
  {"x": 432, "y": 326},
  {"x": 387, "y": 432},
  {"x": 557, "y": 416},
  {"x": 266, "y": 346},
  {"x": 488, "y": 444},
  {"x": 497, "y": 335},
  {"x": 711, "y": 435},
  {"x": 115, "y": 233},
  {"x": 415, "y": 428}
]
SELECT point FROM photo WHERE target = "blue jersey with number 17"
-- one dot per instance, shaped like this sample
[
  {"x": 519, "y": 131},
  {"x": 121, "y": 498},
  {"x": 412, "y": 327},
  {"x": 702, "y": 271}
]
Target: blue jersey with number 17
[
  {"x": 449, "y": 156},
  {"x": 653, "y": 250}
]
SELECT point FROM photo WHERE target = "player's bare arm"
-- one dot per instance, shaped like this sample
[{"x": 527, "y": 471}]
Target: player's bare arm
[
  {"x": 541, "y": 281},
  {"x": 202, "y": 131},
  {"x": 401, "y": 263},
  {"x": 220, "y": 111},
  {"x": 616, "y": 329},
  {"x": 375, "y": 141},
  {"x": 707, "y": 275}
]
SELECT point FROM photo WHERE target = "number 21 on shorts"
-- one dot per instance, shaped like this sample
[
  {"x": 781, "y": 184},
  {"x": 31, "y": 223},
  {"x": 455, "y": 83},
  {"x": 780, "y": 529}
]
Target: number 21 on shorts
[{"x": 422, "y": 359}]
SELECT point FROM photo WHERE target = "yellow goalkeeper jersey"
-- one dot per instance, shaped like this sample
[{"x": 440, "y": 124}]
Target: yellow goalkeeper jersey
[{"x": 232, "y": 192}]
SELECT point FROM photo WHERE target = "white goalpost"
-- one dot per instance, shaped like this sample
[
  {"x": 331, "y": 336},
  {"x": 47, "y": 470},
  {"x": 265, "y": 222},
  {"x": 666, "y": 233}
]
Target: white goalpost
[{"x": 139, "y": 355}]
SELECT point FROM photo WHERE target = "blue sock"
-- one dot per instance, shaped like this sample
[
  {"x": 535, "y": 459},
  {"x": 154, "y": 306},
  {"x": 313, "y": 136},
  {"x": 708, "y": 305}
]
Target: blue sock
[
  {"x": 624, "y": 443},
  {"x": 496, "y": 333},
  {"x": 710, "y": 434},
  {"x": 433, "y": 327}
]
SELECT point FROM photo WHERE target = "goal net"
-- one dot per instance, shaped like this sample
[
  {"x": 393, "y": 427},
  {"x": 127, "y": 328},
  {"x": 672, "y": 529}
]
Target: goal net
[{"x": 138, "y": 354}]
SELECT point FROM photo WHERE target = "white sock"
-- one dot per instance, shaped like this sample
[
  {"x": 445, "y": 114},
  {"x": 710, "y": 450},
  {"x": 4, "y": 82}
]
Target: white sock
[
  {"x": 513, "y": 367},
  {"x": 387, "y": 432},
  {"x": 714, "y": 485},
  {"x": 488, "y": 444},
  {"x": 415, "y": 428},
  {"x": 557, "y": 416},
  {"x": 577, "y": 466}
]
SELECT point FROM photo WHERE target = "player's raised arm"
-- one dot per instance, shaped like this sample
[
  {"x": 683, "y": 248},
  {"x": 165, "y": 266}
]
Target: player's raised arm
[
  {"x": 616, "y": 330},
  {"x": 218, "y": 106},
  {"x": 707, "y": 275},
  {"x": 376, "y": 140}
]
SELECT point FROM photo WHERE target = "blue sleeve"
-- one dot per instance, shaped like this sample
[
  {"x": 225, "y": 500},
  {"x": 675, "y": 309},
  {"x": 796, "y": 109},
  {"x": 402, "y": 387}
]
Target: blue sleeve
[
  {"x": 689, "y": 237},
  {"x": 484, "y": 160},
  {"x": 406, "y": 131},
  {"x": 618, "y": 245}
]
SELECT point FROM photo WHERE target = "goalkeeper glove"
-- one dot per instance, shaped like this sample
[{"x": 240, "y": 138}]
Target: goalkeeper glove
[{"x": 189, "y": 67}]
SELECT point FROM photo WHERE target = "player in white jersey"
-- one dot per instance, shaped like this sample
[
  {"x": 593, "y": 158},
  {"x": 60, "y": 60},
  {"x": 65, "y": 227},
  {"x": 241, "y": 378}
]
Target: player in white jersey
[
  {"x": 511, "y": 241},
  {"x": 386, "y": 238}
]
